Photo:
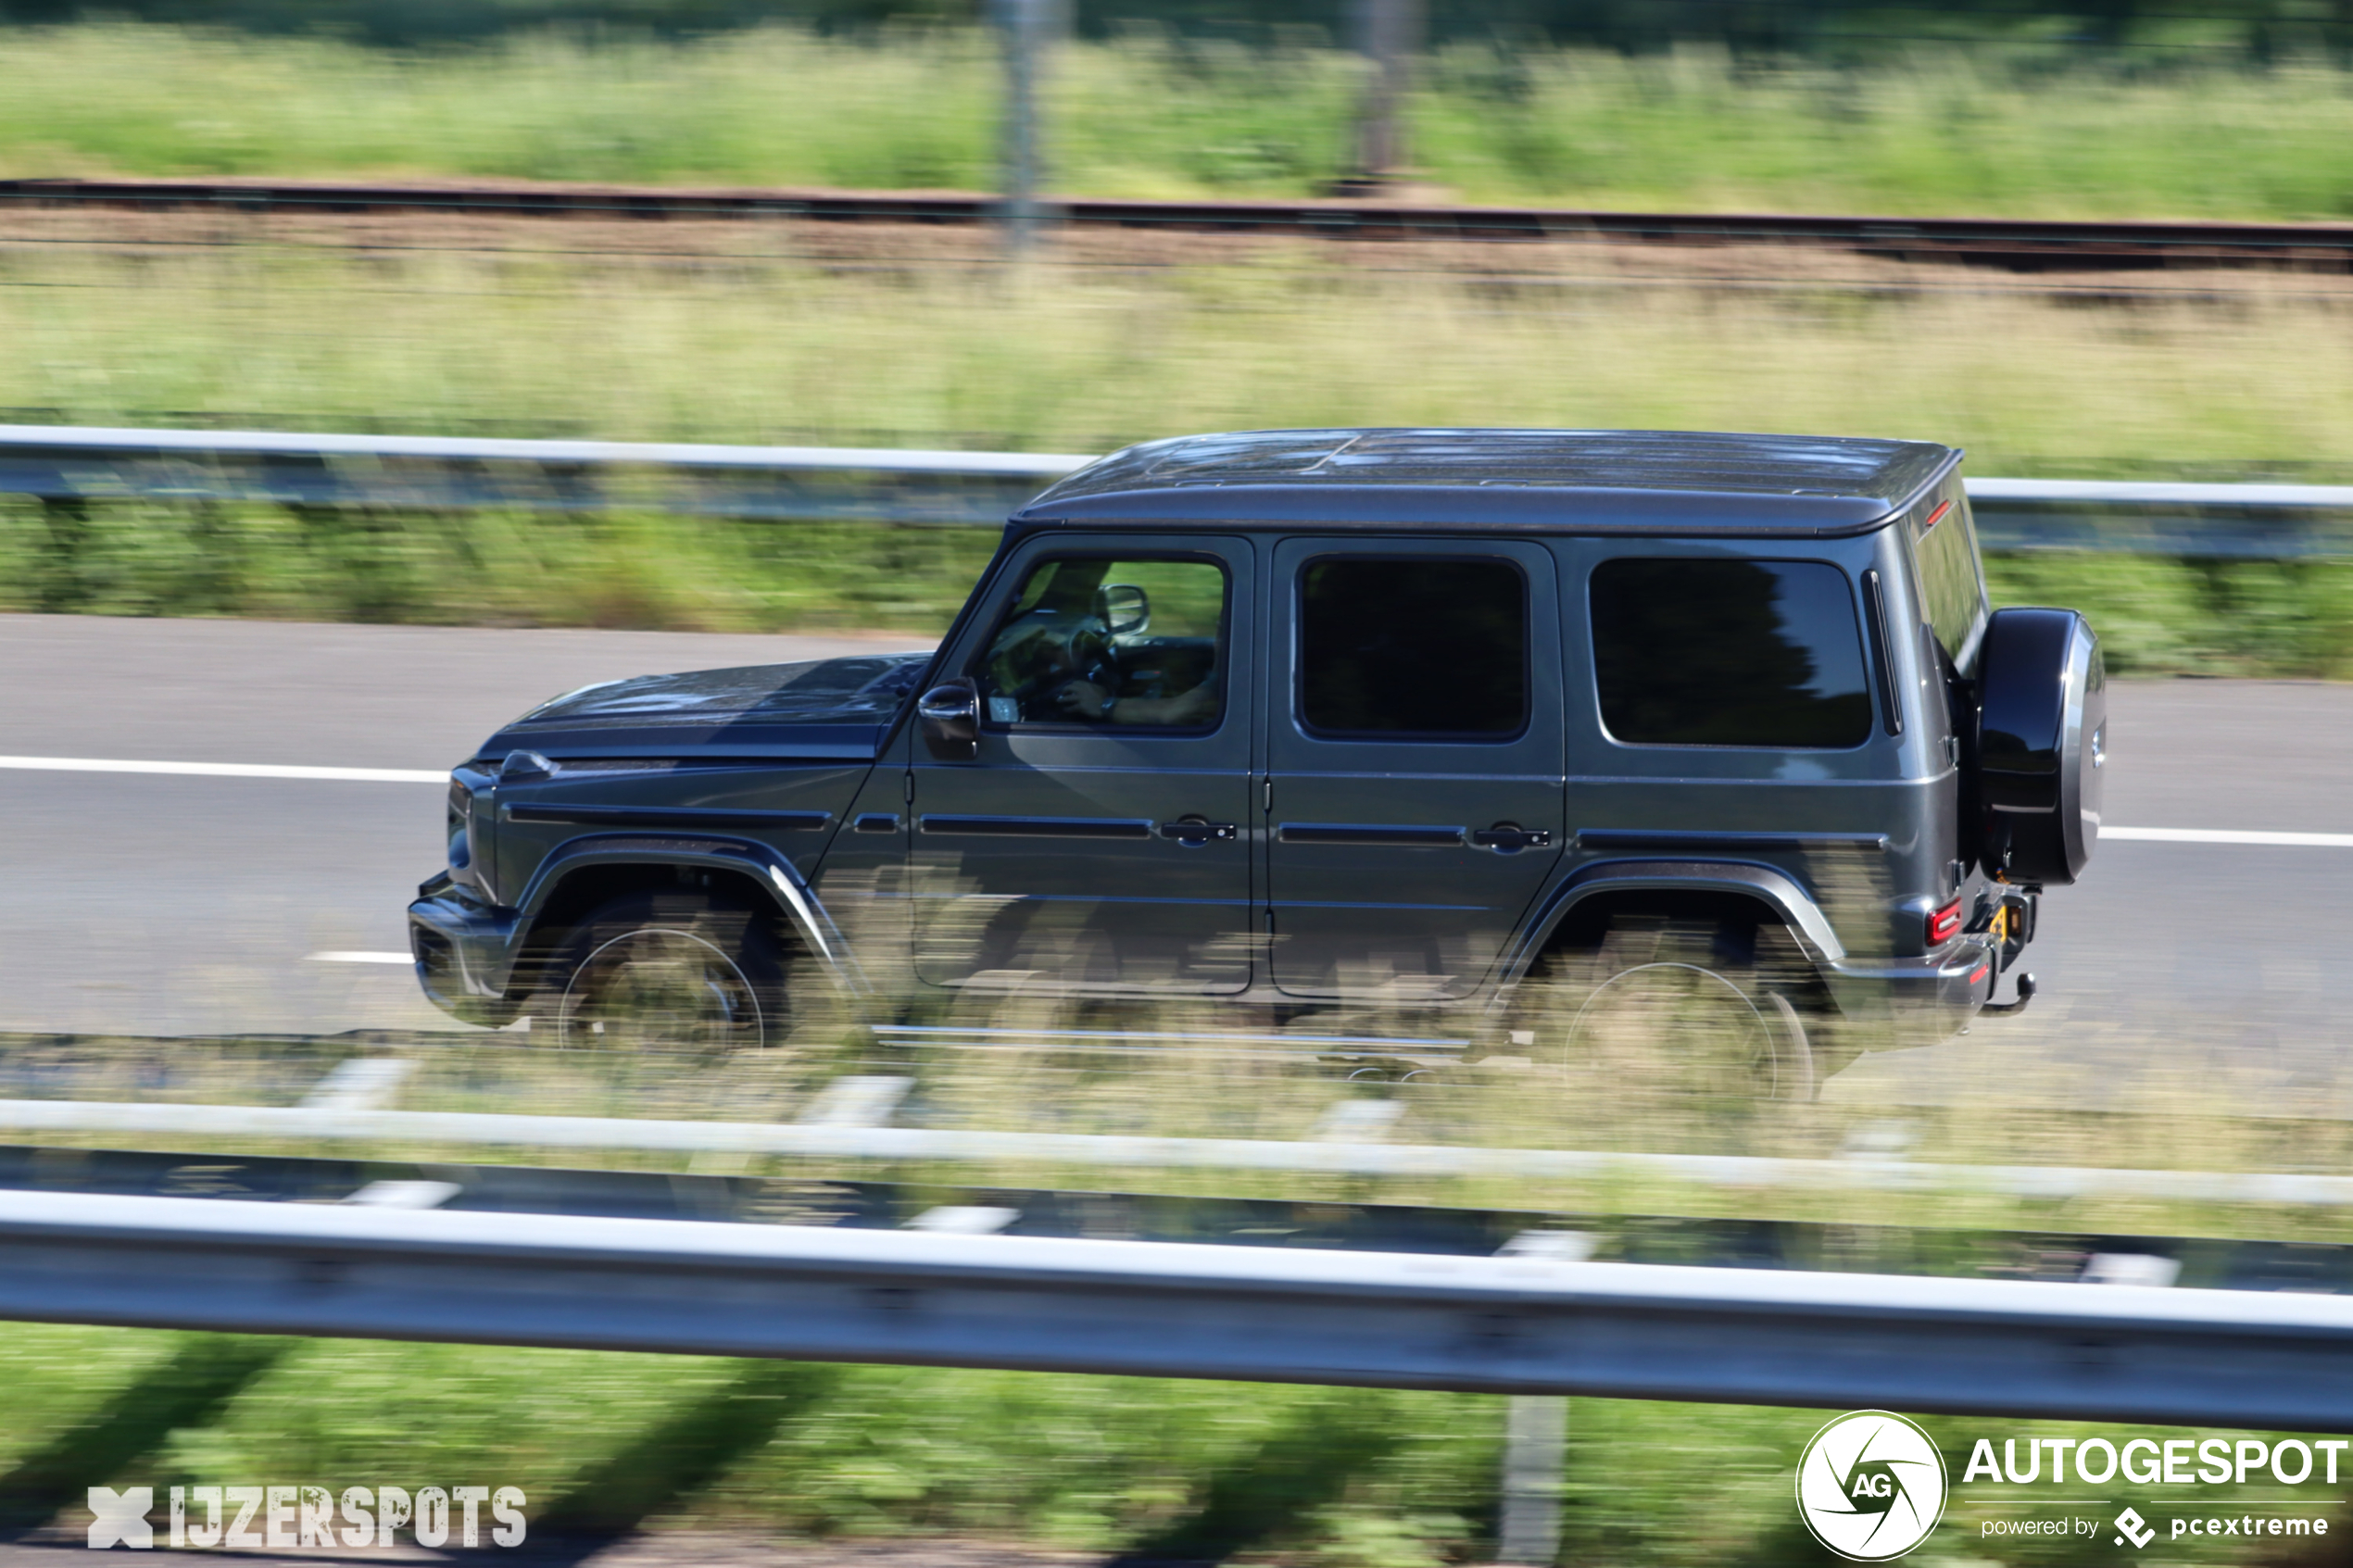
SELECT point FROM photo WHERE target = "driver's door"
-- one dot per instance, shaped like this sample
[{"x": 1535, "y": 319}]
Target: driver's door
[{"x": 1094, "y": 840}]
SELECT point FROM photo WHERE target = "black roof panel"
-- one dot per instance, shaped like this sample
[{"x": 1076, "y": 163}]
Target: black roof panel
[{"x": 1651, "y": 480}]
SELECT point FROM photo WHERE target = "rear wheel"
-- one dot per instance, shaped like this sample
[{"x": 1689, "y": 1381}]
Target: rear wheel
[
  {"x": 672, "y": 971},
  {"x": 1706, "y": 1008}
]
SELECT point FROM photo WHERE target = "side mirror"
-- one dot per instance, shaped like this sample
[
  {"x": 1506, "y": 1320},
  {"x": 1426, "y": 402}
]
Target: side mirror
[
  {"x": 1124, "y": 609},
  {"x": 949, "y": 714}
]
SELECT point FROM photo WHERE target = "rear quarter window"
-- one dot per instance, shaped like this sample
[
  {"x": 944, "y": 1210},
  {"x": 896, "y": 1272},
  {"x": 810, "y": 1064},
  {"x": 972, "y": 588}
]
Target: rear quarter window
[
  {"x": 1693, "y": 652},
  {"x": 1952, "y": 582}
]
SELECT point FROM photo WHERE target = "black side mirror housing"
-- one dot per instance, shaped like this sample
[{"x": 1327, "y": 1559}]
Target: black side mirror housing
[{"x": 949, "y": 715}]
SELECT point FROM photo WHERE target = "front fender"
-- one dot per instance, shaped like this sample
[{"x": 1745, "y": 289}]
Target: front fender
[{"x": 777, "y": 876}]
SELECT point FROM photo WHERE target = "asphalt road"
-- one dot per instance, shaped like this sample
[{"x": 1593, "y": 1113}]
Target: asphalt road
[
  {"x": 155, "y": 904},
  {"x": 170, "y": 904}
]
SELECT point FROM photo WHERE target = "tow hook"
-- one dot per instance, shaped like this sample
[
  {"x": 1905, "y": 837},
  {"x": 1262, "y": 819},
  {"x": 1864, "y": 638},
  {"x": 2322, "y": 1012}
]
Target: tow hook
[{"x": 2025, "y": 994}]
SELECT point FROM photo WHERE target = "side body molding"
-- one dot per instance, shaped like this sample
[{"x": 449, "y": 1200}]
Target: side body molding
[
  {"x": 1775, "y": 888},
  {"x": 776, "y": 875}
]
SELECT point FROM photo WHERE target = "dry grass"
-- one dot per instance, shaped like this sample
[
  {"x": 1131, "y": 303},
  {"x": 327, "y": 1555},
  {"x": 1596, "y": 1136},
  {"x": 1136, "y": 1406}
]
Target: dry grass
[
  {"x": 741, "y": 347},
  {"x": 1998, "y": 1101}
]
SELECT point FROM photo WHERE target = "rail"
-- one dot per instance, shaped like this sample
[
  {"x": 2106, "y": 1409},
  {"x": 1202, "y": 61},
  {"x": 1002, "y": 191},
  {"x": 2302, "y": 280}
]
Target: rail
[
  {"x": 1511, "y": 1324},
  {"x": 2013, "y": 243},
  {"x": 75, "y": 465}
]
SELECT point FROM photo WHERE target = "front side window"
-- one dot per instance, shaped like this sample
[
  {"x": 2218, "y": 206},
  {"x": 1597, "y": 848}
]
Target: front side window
[
  {"x": 1427, "y": 648},
  {"x": 1700, "y": 652},
  {"x": 1102, "y": 640}
]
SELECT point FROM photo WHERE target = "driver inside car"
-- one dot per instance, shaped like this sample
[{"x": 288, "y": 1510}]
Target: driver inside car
[
  {"x": 1057, "y": 659},
  {"x": 1084, "y": 699}
]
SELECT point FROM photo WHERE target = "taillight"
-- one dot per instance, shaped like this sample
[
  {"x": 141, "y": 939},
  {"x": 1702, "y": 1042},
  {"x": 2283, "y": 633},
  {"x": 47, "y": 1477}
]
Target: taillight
[{"x": 1943, "y": 923}]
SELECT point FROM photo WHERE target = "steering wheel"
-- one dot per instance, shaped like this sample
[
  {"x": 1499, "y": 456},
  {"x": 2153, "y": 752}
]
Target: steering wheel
[{"x": 1057, "y": 655}]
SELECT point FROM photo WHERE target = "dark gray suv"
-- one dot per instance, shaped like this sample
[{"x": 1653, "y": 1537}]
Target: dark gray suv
[{"x": 1298, "y": 720}]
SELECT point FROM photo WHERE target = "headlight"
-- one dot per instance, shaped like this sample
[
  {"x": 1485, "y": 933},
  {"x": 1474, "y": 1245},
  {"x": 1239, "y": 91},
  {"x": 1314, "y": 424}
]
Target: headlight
[{"x": 462, "y": 802}]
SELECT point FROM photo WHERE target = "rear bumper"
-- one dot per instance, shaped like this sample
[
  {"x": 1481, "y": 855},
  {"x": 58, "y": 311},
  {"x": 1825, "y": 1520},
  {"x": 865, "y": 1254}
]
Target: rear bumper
[
  {"x": 1924, "y": 998},
  {"x": 464, "y": 953}
]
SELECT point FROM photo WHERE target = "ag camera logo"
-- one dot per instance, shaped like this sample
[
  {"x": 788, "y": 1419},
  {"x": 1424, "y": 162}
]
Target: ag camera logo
[{"x": 1870, "y": 1486}]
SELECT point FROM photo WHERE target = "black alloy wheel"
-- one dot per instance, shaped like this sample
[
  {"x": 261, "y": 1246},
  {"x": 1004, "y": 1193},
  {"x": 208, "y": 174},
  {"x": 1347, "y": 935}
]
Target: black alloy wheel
[{"x": 669, "y": 972}]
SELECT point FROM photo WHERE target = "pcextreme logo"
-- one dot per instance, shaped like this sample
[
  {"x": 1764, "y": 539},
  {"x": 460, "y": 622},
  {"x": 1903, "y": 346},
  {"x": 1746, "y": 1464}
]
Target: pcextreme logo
[{"x": 1870, "y": 1486}]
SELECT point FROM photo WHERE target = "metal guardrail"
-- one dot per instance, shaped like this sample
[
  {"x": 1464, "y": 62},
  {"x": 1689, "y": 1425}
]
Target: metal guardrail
[
  {"x": 1101, "y": 1151},
  {"x": 70, "y": 464},
  {"x": 2258, "y": 521},
  {"x": 1518, "y": 1325},
  {"x": 934, "y": 1201},
  {"x": 77, "y": 463}
]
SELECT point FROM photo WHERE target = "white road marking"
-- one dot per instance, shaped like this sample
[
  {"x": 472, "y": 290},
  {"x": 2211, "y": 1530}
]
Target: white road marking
[
  {"x": 359, "y": 957},
  {"x": 226, "y": 770},
  {"x": 2232, "y": 836}
]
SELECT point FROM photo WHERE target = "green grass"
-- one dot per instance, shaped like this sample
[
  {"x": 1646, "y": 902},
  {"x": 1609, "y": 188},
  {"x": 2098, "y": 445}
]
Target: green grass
[
  {"x": 629, "y": 569},
  {"x": 1332, "y": 1478},
  {"x": 2022, "y": 129},
  {"x": 2158, "y": 616}
]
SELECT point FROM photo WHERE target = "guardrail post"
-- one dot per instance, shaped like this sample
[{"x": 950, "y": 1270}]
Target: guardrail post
[
  {"x": 1535, "y": 1451},
  {"x": 1026, "y": 25}
]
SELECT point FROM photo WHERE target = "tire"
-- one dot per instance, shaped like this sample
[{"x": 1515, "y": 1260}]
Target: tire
[
  {"x": 668, "y": 972},
  {"x": 1686, "y": 1008}
]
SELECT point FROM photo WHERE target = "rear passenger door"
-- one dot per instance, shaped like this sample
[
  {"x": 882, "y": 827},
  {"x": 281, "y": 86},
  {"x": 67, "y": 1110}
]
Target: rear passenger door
[{"x": 1414, "y": 760}]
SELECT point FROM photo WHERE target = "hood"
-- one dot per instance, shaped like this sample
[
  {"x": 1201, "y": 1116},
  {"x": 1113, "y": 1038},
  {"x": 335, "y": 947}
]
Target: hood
[{"x": 820, "y": 708}]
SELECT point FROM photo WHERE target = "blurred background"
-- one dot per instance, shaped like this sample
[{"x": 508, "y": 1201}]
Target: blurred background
[{"x": 217, "y": 939}]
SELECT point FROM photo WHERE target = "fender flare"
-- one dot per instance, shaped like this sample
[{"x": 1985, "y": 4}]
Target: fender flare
[
  {"x": 1767, "y": 884},
  {"x": 777, "y": 877}
]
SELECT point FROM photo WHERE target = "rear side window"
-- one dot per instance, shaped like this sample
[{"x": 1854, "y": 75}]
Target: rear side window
[
  {"x": 1429, "y": 647},
  {"x": 1695, "y": 652}
]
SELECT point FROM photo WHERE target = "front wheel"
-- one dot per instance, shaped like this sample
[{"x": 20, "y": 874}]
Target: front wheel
[{"x": 668, "y": 972}]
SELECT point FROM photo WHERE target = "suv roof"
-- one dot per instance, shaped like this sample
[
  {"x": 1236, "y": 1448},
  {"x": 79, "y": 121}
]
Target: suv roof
[{"x": 1580, "y": 481}]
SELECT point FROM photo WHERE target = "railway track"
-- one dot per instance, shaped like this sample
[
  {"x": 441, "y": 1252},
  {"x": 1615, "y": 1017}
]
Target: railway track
[{"x": 2017, "y": 245}]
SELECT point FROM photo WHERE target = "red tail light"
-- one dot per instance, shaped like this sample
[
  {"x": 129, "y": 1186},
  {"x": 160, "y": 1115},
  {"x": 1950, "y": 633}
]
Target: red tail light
[{"x": 1943, "y": 923}]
